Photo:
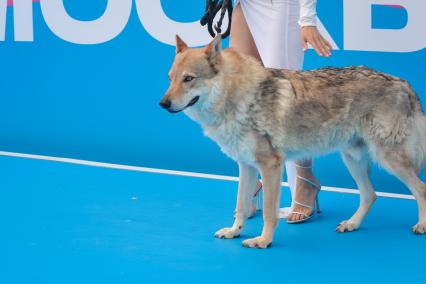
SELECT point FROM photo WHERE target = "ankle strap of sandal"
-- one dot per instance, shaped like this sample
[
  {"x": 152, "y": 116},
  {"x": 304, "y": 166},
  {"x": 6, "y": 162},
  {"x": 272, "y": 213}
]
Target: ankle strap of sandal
[
  {"x": 302, "y": 204},
  {"x": 303, "y": 167},
  {"x": 317, "y": 187}
]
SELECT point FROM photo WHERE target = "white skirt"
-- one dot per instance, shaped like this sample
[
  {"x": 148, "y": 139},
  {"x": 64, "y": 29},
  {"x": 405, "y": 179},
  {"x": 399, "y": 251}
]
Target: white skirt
[{"x": 276, "y": 31}]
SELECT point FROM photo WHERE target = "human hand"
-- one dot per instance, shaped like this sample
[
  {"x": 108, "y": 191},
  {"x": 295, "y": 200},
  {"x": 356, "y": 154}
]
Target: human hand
[{"x": 311, "y": 35}]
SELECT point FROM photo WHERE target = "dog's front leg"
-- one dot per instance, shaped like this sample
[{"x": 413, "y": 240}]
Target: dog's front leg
[
  {"x": 271, "y": 170},
  {"x": 246, "y": 189}
]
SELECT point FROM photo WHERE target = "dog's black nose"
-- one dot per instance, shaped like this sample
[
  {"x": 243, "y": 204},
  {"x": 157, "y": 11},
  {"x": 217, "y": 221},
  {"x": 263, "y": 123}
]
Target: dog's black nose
[{"x": 165, "y": 103}]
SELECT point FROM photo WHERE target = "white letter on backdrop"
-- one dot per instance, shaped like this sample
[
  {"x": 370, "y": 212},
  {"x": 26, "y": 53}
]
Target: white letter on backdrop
[
  {"x": 103, "y": 29},
  {"x": 22, "y": 18},
  {"x": 3, "y": 8},
  {"x": 359, "y": 34},
  {"x": 164, "y": 29}
]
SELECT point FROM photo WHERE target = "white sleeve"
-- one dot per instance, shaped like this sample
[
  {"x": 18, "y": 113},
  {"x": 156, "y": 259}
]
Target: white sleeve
[{"x": 308, "y": 13}]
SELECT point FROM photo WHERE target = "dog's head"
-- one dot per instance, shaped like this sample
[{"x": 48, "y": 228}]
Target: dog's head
[{"x": 190, "y": 75}]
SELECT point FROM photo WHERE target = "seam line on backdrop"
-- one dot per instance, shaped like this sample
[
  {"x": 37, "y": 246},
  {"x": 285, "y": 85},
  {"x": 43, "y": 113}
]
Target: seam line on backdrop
[{"x": 176, "y": 173}]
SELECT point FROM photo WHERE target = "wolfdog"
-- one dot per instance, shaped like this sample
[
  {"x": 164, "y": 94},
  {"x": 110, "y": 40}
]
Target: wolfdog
[{"x": 261, "y": 116}]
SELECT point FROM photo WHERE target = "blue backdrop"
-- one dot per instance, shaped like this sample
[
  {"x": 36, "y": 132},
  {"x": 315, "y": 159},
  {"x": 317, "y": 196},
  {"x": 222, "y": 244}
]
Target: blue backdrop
[{"x": 100, "y": 102}]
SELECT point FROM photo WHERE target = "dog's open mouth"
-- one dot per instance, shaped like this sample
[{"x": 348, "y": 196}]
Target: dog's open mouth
[{"x": 193, "y": 101}]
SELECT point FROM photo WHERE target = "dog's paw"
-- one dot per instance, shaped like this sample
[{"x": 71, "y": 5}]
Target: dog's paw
[
  {"x": 419, "y": 228},
  {"x": 346, "y": 226},
  {"x": 257, "y": 242},
  {"x": 228, "y": 233}
]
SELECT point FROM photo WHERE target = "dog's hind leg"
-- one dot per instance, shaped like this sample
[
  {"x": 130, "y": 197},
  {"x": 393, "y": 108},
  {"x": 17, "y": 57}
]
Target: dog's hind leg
[
  {"x": 246, "y": 189},
  {"x": 271, "y": 169},
  {"x": 357, "y": 160},
  {"x": 397, "y": 161}
]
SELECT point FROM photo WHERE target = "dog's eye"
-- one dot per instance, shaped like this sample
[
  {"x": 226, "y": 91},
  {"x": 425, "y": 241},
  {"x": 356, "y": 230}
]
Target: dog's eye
[{"x": 188, "y": 78}]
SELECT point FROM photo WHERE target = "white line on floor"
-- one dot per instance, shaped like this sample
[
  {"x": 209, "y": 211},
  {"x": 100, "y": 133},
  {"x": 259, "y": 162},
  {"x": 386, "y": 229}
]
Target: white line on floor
[{"x": 177, "y": 173}]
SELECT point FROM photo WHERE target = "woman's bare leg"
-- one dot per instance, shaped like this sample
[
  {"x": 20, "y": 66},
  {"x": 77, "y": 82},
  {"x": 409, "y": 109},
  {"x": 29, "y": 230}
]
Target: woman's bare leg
[{"x": 241, "y": 39}]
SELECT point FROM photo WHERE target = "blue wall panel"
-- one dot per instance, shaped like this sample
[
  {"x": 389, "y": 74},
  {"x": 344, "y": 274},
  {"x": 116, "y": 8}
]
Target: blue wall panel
[{"x": 100, "y": 102}]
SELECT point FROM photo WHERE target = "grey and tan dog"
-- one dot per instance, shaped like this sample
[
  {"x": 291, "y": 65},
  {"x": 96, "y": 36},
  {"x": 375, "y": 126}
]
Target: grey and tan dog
[{"x": 261, "y": 116}]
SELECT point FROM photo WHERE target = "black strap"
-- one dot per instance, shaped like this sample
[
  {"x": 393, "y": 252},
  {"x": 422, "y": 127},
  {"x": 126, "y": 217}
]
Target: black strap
[{"x": 212, "y": 8}]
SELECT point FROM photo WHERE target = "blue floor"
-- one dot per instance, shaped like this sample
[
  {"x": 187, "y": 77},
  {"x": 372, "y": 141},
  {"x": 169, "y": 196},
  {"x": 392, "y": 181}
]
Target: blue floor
[{"x": 63, "y": 223}]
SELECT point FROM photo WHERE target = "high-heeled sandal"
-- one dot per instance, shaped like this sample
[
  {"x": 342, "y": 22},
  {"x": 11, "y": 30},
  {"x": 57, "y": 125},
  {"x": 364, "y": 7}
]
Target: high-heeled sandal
[
  {"x": 255, "y": 204},
  {"x": 315, "y": 209}
]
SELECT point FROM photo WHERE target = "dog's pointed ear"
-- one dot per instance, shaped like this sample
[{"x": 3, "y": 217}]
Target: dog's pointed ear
[
  {"x": 214, "y": 48},
  {"x": 180, "y": 45}
]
